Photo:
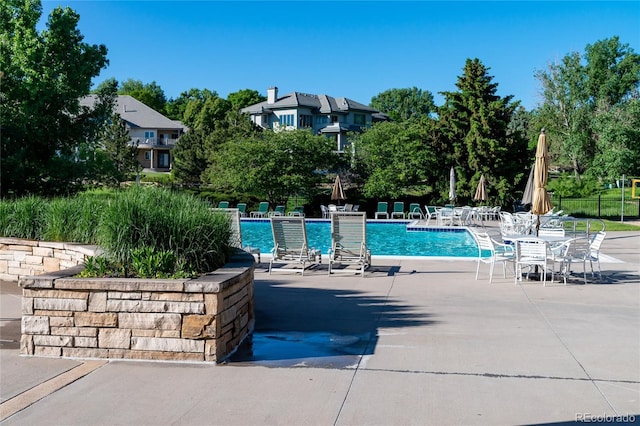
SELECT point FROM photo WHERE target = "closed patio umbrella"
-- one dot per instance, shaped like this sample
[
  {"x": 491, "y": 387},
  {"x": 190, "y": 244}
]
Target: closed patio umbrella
[
  {"x": 452, "y": 184},
  {"x": 481, "y": 190},
  {"x": 337, "y": 192},
  {"x": 541, "y": 203},
  {"x": 527, "y": 196}
]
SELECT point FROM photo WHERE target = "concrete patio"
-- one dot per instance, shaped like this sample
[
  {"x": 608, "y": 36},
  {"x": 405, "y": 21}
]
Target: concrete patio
[{"x": 416, "y": 341}]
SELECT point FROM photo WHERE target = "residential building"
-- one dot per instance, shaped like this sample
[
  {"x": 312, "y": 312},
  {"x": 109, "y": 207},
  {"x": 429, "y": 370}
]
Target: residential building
[
  {"x": 323, "y": 114},
  {"x": 154, "y": 133}
]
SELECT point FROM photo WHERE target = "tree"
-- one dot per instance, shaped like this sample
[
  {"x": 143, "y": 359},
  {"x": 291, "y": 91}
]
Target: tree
[
  {"x": 393, "y": 157},
  {"x": 273, "y": 165},
  {"x": 115, "y": 140},
  {"x": 149, "y": 94},
  {"x": 477, "y": 125},
  {"x": 175, "y": 108},
  {"x": 44, "y": 76},
  {"x": 577, "y": 90},
  {"x": 403, "y": 104},
  {"x": 244, "y": 98},
  {"x": 189, "y": 157},
  {"x": 618, "y": 143}
]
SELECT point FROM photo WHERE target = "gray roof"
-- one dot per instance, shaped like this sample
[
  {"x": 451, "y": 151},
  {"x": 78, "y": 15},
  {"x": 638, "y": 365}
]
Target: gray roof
[
  {"x": 136, "y": 113},
  {"x": 322, "y": 104}
]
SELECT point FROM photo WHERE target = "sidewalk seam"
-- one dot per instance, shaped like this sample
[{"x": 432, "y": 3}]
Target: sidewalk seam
[{"x": 44, "y": 389}]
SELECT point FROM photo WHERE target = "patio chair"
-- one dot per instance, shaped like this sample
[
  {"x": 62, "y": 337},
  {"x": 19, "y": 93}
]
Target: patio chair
[
  {"x": 325, "y": 211},
  {"x": 594, "y": 251},
  {"x": 263, "y": 210},
  {"x": 415, "y": 212},
  {"x": 242, "y": 209},
  {"x": 491, "y": 252},
  {"x": 290, "y": 244},
  {"x": 572, "y": 251},
  {"x": 531, "y": 252},
  {"x": 383, "y": 210},
  {"x": 278, "y": 211},
  {"x": 223, "y": 205},
  {"x": 398, "y": 210},
  {"x": 236, "y": 235},
  {"x": 445, "y": 216},
  {"x": 349, "y": 242},
  {"x": 297, "y": 211},
  {"x": 430, "y": 212}
]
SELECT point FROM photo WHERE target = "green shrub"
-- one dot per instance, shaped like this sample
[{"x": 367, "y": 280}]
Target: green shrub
[
  {"x": 166, "y": 221},
  {"x": 150, "y": 231},
  {"x": 569, "y": 186}
]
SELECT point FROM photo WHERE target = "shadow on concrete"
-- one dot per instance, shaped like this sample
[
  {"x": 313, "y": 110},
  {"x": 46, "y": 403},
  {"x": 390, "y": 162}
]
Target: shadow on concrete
[{"x": 325, "y": 328}]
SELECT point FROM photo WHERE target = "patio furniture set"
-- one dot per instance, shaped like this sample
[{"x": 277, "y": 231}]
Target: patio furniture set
[{"x": 550, "y": 243}]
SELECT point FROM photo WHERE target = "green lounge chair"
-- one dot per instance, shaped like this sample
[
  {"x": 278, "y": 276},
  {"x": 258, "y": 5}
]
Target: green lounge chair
[
  {"x": 415, "y": 212},
  {"x": 263, "y": 209},
  {"x": 398, "y": 210},
  {"x": 382, "y": 210}
]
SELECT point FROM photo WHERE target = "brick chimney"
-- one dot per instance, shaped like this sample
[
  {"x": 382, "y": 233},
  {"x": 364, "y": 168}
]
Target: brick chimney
[{"x": 272, "y": 95}]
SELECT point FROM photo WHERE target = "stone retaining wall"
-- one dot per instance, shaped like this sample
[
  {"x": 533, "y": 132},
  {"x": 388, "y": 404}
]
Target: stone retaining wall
[
  {"x": 203, "y": 319},
  {"x": 21, "y": 258}
]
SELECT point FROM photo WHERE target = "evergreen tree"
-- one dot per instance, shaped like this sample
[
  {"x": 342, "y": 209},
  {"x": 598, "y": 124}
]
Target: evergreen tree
[
  {"x": 475, "y": 122},
  {"x": 116, "y": 142}
]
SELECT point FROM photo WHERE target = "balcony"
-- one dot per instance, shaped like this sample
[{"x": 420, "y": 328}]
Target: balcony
[{"x": 154, "y": 142}]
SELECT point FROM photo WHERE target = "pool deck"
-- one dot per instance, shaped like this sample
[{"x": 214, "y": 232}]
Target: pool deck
[{"x": 416, "y": 341}]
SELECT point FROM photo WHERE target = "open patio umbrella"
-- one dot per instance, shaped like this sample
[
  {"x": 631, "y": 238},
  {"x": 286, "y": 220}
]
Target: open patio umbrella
[
  {"x": 541, "y": 203},
  {"x": 452, "y": 184},
  {"x": 481, "y": 190},
  {"x": 337, "y": 193}
]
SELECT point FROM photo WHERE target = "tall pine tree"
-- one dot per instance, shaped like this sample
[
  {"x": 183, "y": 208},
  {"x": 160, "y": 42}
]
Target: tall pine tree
[
  {"x": 475, "y": 122},
  {"x": 115, "y": 140}
]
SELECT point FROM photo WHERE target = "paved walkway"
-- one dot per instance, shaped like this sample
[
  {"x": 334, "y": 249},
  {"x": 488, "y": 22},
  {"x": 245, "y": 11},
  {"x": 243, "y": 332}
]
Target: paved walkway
[{"x": 413, "y": 342}]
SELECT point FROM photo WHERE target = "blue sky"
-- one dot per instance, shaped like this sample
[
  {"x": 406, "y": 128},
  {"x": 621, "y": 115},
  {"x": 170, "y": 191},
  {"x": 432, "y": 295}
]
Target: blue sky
[{"x": 344, "y": 49}]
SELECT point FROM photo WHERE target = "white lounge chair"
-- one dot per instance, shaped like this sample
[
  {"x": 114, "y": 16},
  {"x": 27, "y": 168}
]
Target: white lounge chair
[
  {"x": 236, "y": 236},
  {"x": 290, "y": 243},
  {"x": 349, "y": 242}
]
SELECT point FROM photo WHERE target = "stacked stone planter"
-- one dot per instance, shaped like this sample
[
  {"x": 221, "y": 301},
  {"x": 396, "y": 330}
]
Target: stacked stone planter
[{"x": 203, "y": 319}]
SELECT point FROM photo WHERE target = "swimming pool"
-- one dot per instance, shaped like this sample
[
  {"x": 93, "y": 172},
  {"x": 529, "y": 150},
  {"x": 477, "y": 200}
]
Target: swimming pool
[{"x": 384, "y": 238}]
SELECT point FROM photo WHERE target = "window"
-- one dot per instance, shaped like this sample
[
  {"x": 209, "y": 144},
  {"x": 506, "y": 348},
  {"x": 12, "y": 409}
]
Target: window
[
  {"x": 359, "y": 119},
  {"x": 334, "y": 118},
  {"x": 147, "y": 155},
  {"x": 150, "y": 134},
  {"x": 322, "y": 119},
  {"x": 305, "y": 120},
  {"x": 286, "y": 120}
]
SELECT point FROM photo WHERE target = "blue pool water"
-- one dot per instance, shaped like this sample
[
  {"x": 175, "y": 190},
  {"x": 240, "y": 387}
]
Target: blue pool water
[{"x": 383, "y": 238}]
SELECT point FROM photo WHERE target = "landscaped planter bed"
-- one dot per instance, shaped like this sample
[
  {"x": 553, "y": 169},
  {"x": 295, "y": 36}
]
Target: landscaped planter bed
[{"x": 201, "y": 319}]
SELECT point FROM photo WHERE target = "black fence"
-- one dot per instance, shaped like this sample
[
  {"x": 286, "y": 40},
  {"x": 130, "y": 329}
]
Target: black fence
[{"x": 600, "y": 207}]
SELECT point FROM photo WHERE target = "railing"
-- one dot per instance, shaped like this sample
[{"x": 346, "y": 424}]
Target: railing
[
  {"x": 168, "y": 142},
  {"x": 597, "y": 207}
]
